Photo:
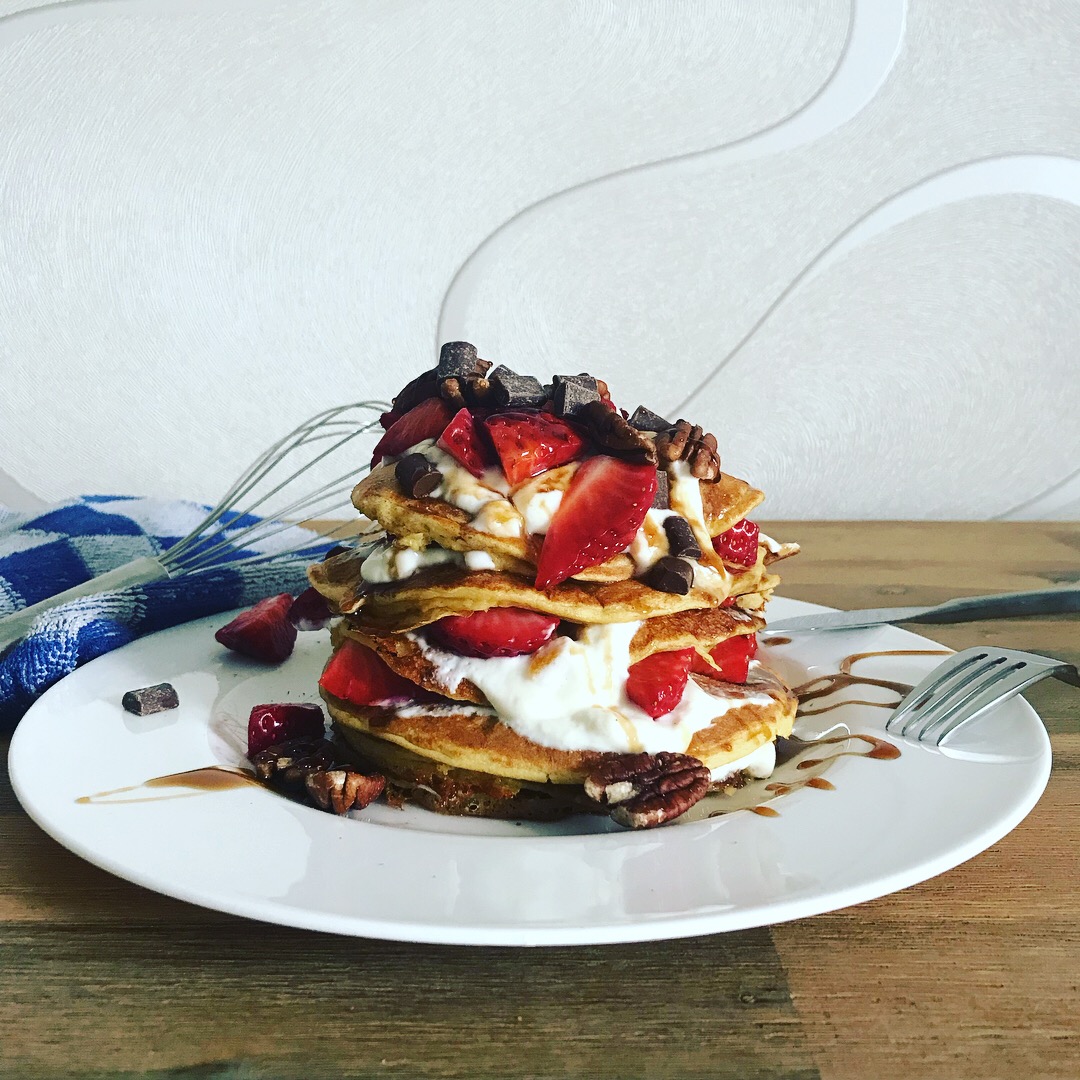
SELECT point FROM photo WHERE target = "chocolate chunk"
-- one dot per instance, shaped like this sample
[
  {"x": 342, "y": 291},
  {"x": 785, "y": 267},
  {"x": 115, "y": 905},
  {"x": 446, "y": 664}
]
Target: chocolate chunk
[
  {"x": 456, "y": 360},
  {"x": 571, "y": 393},
  {"x": 509, "y": 390},
  {"x": 151, "y": 699},
  {"x": 646, "y": 420},
  {"x": 417, "y": 476},
  {"x": 670, "y": 575},
  {"x": 424, "y": 386},
  {"x": 661, "y": 500},
  {"x": 681, "y": 538}
]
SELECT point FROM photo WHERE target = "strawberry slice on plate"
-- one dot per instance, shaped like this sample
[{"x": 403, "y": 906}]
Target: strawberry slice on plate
[
  {"x": 599, "y": 515},
  {"x": 425, "y": 421},
  {"x": 506, "y": 631},
  {"x": 466, "y": 441},
  {"x": 269, "y": 725},
  {"x": 657, "y": 683},
  {"x": 732, "y": 659},
  {"x": 263, "y": 632},
  {"x": 531, "y": 443},
  {"x": 738, "y": 545},
  {"x": 357, "y": 674}
]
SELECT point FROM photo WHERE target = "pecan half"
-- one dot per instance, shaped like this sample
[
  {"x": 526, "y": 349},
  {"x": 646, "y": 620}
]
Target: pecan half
[
  {"x": 690, "y": 443},
  {"x": 342, "y": 790},
  {"x": 610, "y": 430},
  {"x": 470, "y": 389},
  {"x": 643, "y": 790}
]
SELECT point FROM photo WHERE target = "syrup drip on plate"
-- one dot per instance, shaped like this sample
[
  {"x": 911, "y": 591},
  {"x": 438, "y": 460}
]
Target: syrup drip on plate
[
  {"x": 197, "y": 781},
  {"x": 800, "y": 763}
]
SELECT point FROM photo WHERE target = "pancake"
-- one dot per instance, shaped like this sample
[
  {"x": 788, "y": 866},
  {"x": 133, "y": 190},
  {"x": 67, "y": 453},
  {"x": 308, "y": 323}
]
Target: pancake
[
  {"x": 700, "y": 630},
  {"x": 433, "y": 594},
  {"x": 380, "y": 497},
  {"x": 473, "y": 738}
]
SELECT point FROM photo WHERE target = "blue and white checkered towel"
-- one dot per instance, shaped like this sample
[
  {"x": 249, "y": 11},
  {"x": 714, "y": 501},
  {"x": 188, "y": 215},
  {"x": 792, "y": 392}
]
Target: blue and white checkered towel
[{"x": 43, "y": 554}]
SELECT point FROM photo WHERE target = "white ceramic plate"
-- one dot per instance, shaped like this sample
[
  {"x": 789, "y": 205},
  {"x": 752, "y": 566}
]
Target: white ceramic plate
[{"x": 415, "y": 876}]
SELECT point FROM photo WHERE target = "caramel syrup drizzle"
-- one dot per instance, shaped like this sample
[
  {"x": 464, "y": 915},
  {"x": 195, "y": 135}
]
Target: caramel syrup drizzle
[
  {"x": 198, "y": 781},
  {"x": 823, "y": 685}
]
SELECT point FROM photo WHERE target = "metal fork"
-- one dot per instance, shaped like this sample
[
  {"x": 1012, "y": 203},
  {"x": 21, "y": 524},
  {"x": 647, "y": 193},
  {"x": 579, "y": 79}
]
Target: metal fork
[{"x": 966, "y": 685}]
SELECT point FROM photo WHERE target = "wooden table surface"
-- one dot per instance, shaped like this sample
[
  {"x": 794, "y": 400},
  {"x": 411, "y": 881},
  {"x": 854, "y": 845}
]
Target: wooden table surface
[{"x": 972, "y": 974}]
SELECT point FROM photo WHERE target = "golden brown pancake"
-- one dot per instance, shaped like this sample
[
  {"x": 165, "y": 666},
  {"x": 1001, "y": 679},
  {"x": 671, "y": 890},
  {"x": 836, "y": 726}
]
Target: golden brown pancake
[
  {"x": 451, "y": 590},
  {"x": 473, "y": 738}
]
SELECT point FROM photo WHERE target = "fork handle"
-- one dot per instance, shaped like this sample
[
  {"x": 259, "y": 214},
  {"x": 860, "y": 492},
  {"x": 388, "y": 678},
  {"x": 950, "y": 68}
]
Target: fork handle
[{"x": 1003, "y": 606}]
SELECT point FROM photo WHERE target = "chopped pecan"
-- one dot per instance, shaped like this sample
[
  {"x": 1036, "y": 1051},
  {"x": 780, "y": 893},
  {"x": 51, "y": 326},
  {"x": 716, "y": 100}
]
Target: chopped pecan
[
  {"x": 610, "y": 430},
  {"x": 643, "y": 790},
  {"x": 690, "y": 443},
  {"x": 288, "y": 763},
  {"x": 342, "y": 790},
  {"x": 472, "y": 388}
]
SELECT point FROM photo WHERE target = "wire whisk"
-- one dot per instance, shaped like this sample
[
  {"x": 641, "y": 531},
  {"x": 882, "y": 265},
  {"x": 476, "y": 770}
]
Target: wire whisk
[{"x": 267, "y": 514}]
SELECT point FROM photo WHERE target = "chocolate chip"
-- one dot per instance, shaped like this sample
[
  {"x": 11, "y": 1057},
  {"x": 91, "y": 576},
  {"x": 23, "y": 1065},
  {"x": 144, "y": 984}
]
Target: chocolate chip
[
  {"x": 509, "y": 390},
  {"x": 646, "y": 420},
  {"x": 456, "y": 360},
  {"x": 571, "y": 393},
  {"x": 661, "y": 500},
  {"x": 670, "y": 575},
  {"x": 417, "y": 476},
  {"x": 151, "y": 699},
  {"x": 681, "y": 538}
]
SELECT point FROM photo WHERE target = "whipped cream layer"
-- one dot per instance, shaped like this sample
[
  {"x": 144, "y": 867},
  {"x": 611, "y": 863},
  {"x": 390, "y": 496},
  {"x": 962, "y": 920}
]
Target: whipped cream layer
[{"x": 571, "y": 695}]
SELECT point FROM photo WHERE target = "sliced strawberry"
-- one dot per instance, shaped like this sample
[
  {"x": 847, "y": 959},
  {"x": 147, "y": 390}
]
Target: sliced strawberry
[
  {"x": 531, "y": 443},
  {"x": 425, "y": 421},
  {"x": 264, "y": 632},
  {"x": 389, "y": 419},
  {"x": 656, "y": 684},
  {"x": 357, "y": 674},
  {"x": 599, "y": 515},
  {"x": 732, "y": 657},
  {"x": 504, "y": 631},
  {"x": 310, "y": 611},
  {"x": 738, "y": 546},
  {"x": 272, "y": 724},
  {"x": 466, "y": 441}
]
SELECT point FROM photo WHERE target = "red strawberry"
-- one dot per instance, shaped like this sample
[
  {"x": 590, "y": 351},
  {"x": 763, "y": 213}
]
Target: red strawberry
[
  {"x": 504, "y": 631},
  {"x": 466, "y": 441},
  {"x": 531, "y": 443},
  {"x": 272, "y": 724},
  {"x": 738, "y": 546},
  {"x": 357, "y": 674},
  {"x": 732, "y": 657},
  {"x": 264, "y": 632},
  {"x": 310, "y": 611},
  {"x": 425, "y": 421},
  {"x": 598, "y": 517},
  {"x": 656, "y": 684}
]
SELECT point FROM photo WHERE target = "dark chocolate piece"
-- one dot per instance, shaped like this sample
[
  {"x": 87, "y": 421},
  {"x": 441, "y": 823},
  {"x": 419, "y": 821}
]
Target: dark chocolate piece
[
  {"x": 646, "y": 420},
  {"x": 662, "y": 499},
  {"x": 417, "y": 476},
  {"x": 424, "y": 386},
  {"x": 681, "y": 538},
  {"x": 571, "y": 393},
  {"x": 456, "y": 360},
  {"x": 670, "y": 575},
  {"x": 151, "y": 699},
  {"x": 509, "y": 390}
]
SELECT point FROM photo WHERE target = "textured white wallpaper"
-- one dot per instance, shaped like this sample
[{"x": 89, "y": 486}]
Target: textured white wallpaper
[{"x": 846, "y": 236}]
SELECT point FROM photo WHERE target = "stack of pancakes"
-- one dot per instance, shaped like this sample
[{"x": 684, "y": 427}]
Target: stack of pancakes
[{"x": 448, "y": 747}]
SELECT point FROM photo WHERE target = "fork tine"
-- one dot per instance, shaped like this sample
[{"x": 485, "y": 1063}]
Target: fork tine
[
  {"x": 1021, "y": 679},
  {"x": 925, "y": 691},
  {"x": 1002, "y": 682},
  {"x": 954, "y": 695}
]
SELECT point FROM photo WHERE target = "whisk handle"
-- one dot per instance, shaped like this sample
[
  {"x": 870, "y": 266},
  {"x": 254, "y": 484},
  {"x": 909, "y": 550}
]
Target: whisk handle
[{"x": 14, "y": 626}]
